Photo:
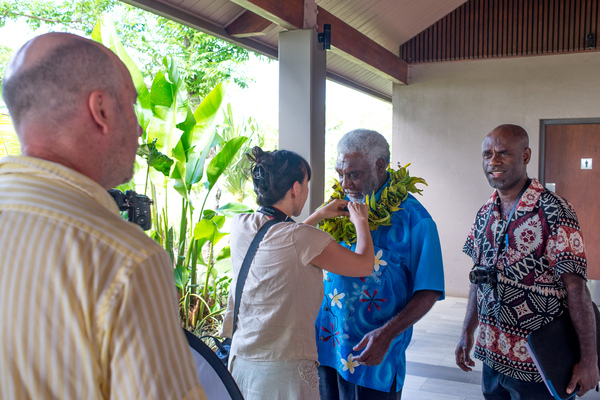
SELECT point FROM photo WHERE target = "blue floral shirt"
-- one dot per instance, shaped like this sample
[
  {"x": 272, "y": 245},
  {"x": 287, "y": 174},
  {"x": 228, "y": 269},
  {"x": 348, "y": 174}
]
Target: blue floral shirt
[{"x": 408, "y": 258}]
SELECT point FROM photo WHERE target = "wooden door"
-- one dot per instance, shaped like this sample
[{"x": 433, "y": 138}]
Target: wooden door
[{"x": 564, "y": 148}]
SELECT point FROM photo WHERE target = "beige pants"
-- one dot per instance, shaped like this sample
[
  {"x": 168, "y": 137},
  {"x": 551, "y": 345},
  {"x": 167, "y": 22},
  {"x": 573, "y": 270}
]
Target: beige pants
[{"x": 273, "y": 380}]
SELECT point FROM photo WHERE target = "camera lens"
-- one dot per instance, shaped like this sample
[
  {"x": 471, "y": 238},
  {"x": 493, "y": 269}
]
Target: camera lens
[{"x": 478, "y": 276}]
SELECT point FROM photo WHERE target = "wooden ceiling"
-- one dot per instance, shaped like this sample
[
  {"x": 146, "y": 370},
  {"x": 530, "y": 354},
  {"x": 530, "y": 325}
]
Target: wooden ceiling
[{"x": 374, "y": 42}]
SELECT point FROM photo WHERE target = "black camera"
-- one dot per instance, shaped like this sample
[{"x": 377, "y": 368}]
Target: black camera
[
  {"x": 136, "y": 206},
  {"x": 480, "y": 274}
]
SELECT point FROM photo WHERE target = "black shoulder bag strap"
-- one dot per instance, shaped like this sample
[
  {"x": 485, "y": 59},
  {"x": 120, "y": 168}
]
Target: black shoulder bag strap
[{"x": 243, "y": 274}]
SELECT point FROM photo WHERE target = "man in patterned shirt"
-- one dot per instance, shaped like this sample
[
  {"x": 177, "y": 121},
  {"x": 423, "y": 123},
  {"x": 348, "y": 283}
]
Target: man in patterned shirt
[
  {"x": 365, "y": 324},
  {"x": 539, "y": 272}
]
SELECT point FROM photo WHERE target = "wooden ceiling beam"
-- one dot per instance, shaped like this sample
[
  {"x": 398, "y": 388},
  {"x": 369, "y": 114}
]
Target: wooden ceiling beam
[
  {"x": 248, "y": 24},
  {"x": 351, "y": 44},
  {"x": 345, "y": 40},
  {"x": 288, "y": 14}
]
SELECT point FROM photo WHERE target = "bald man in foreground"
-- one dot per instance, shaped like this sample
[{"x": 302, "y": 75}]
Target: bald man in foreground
[
  {"x": 528, "y": 252},
  {"x": 88, "y": 309}
]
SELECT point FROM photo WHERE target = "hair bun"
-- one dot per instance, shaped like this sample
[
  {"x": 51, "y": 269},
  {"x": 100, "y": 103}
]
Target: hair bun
[{"x": 259, "y": 172}]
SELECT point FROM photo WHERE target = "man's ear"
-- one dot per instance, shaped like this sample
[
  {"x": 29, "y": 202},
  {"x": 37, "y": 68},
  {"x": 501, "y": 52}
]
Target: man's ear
[
  {"x": 381, "y": 167},
  {"x": 98, "y": 104},
  {"x": 526, "y": 156}
]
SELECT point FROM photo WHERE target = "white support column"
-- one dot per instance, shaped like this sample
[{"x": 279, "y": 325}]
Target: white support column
[{"x": 302, "y": 72}]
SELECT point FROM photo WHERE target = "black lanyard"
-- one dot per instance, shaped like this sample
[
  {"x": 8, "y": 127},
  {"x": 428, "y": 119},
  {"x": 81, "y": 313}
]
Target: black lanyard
[
  {"x": 275, "y": 213},
  {"x": 504, "y": 235}
]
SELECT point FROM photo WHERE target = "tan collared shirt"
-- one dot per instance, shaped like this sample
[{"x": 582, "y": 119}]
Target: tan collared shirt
[{"x": 88, "y": 308}]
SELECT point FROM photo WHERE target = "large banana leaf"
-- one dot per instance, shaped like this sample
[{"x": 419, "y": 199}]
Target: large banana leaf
[
  {"x": 209, "y": 229},
  {"x": 104, "y": 32},
  {"x": 155, "y": 159},
  {"x": 232, "y": 209},
  {"x": 221, "y": 161},
  {"x": 170, "y": 91},
  {"x": 199, "y": 137},
  {"x": 168, "y": 97},
  {"x": 195, "y": 143}
]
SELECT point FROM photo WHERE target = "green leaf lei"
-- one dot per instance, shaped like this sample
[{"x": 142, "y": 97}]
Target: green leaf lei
[{"x": 380, "y": 212}]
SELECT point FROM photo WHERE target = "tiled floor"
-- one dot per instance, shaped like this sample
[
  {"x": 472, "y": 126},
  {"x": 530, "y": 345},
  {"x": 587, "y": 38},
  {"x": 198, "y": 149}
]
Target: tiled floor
[{"x": 432, "y": 373}]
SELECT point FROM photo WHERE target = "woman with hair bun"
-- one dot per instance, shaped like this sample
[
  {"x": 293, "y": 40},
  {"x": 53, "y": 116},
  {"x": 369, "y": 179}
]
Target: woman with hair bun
[{"x": 274, "y": 353}]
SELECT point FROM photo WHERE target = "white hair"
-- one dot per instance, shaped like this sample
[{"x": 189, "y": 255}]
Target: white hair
[{"x": 368, "y": 142}]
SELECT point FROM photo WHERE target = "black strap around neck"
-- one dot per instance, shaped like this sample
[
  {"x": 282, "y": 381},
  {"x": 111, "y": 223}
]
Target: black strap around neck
[
  {"x": 243, "y": 274},
  {"x": 503, "y": 240},
  {"x": 275, "y": 213},
  {"x": 514, "y": 207}
]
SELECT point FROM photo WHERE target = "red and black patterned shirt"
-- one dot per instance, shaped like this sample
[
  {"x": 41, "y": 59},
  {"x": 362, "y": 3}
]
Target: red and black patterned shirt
[{"x": 544, "y": 241}]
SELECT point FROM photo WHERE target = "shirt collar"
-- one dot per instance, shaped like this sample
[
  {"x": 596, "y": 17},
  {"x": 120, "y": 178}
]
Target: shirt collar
[
  {"x": 527, "y": 201},
  {"x": 54, "y": 171}
]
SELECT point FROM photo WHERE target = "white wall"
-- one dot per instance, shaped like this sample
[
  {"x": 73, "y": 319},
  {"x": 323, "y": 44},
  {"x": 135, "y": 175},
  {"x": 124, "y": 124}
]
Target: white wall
[{"x": 441, "y": 118}]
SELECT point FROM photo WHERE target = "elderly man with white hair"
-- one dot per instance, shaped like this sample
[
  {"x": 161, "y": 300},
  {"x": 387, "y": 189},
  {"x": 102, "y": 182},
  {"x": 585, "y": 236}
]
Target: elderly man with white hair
[{"x": 365, "y": 324}]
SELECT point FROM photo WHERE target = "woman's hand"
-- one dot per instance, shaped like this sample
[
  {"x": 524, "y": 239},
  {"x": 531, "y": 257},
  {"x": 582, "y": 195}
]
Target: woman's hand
[
  {"x": 359, "y": 213},
  {"x": 336, "y": 208}
]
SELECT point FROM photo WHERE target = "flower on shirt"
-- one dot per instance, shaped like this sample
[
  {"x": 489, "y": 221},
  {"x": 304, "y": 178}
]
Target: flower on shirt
[
  {"x": 335, "y": 298},
  {"x": 562, "y": 240},
  {"x": 372, "y": 300},
  {"x": 528, "y": 235},
  {"x": 487, "y": 336},
  {"x": 331, "y": 334},
  {"x": 551, "y": 249},
  {"x": 576, "y": 242},
  {"x": 529, "y": 198},
  {"x": 379, "y": 261},
  {"x": 349, "y": 364},
  {"x": 520, "y": 350},
  {"x": 504, "y": 344}
]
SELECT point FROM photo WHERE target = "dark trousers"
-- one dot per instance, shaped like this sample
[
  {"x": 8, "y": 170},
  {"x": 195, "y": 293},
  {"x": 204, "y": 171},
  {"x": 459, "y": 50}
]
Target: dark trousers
[
  {"x": 333, "y": 387},
  {"x": 497, "y": 386}
]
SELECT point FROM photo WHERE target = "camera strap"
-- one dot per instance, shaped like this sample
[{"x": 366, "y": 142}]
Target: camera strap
[
  {"x": 276, "y": 216},
  {"x": 504, "y": 236},
  {"x": 243, "y": 273},
  {"x": 274, "y": 213}
]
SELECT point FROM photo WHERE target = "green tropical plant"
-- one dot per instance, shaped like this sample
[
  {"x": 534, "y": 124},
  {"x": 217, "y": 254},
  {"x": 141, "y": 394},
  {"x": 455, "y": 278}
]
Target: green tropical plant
[
  {"x": 9, "y": 143},
  {"x": 203, "y": 59},
  {"x": 237, "y": 178},
  {"x": 178, "y": 143}
]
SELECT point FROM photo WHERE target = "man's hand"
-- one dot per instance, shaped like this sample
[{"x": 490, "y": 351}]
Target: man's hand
[
  {"x": 375, "y": 343},
  {"x": 586, "y": 377},
  {"x": 463, "y": 351},
  {"x": 581, "y": 309}
]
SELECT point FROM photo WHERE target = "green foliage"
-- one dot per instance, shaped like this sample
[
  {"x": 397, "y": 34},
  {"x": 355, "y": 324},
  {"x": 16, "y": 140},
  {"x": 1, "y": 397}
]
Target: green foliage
[
  {"x": 237, "y": 180},
  {"x": 204, "y": 60},
  {"x": 9, "y": 143},
  {"x": 178, "y": 142},
  {"x": 5, "y": 54}
]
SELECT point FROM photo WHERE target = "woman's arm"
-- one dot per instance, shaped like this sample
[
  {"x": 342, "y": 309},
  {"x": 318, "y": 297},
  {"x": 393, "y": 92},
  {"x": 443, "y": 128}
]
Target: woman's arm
[{"x": 342, "y": 261}]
